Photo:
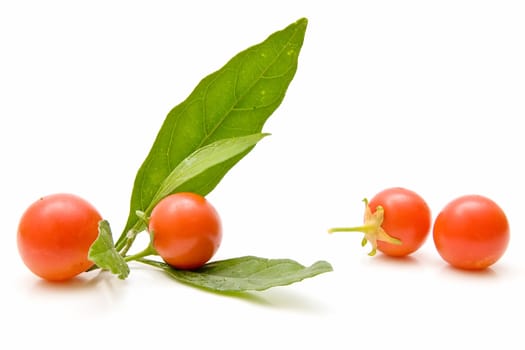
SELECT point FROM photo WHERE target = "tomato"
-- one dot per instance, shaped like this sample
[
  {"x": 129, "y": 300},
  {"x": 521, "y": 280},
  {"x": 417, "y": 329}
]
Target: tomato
[
  {"x": 55, "y": 234},
  {"x": 471, "y": 232},
  {"x": 186, "y": 230},
  {"x": 397, "y": 222},
  {"x": 407, "y": 217}
]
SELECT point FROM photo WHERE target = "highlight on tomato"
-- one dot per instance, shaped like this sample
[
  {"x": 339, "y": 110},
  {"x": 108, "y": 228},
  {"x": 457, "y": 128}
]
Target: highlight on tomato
[
  {"x": 186, "y": 230},
  {"x": 397, "y": 222},
  {"x": 471, "y": 232},
  {"x": 55, "y": 234}
]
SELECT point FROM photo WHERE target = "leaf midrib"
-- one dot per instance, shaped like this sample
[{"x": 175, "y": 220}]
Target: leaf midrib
[{"x": 237, "y": 99}]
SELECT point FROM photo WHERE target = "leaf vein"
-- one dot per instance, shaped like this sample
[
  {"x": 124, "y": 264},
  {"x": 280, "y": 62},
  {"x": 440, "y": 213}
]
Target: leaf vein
[{"x": 278, "y": 53}]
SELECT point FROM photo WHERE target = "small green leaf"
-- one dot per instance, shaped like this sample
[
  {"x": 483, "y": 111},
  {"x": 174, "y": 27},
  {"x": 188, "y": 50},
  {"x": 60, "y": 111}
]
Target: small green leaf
[
  {"x": 245, "y": 273},
  {"x": 201, "y": 160},
  {"x": 234, "y": 101},
  {"x": 103, "y": 253}
]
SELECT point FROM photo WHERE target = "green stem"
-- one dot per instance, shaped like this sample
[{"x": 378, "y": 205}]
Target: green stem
[
  {"x": 146, "y": 252},
  {"x": 364, "y": 228},
  {"x": 128, "y": 243},
  {"x": 151, "y": 263},
  {"x": 123, "y": 245}
]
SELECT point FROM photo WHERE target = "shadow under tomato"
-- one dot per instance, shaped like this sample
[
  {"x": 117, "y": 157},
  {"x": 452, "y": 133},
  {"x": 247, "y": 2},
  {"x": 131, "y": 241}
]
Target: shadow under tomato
[
  {"x": 82, "y": 283},
  {"x": 488, "y": 273},
  {"x": 409, "y": 260}
]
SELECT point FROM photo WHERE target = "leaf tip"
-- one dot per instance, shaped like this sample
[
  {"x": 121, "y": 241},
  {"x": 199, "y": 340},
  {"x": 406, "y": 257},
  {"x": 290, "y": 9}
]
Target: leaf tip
[
  {"x": 323, "y": 265},
  {"x": 303, "y": 21}
]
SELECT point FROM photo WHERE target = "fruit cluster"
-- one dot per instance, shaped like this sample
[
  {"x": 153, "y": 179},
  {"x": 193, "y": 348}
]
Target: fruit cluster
[{"x": 471, "y": 232}]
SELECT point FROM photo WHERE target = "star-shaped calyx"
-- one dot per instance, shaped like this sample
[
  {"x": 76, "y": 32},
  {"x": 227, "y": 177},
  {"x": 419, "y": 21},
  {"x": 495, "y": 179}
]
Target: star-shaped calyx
[{"x": 372, "y": 228}]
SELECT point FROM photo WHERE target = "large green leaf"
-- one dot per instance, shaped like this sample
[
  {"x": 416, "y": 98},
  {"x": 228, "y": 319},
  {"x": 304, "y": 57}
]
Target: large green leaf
[
  {"x": 234, "y": 101},
  {"x": 246, "y": 273}
]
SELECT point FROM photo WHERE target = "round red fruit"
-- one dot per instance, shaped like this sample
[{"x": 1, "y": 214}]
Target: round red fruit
[
  {"x": 186, "y": 230},
  {"x": 471, "y": 232},
  {"x": 407, "y": 217},
  {"x": 55, "y": 234}
]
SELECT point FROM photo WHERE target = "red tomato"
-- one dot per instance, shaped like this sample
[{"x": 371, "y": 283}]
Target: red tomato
[
  {"x": 186, "y": 230},
  {"x": 55, "y": 234},
  {"x": 407, "y": 217},
  {"x": 471, "y": 232},
  {"x": 397, "y": 222}
]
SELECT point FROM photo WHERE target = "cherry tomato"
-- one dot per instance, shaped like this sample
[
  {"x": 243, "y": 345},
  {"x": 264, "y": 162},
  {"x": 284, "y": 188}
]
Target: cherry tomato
[
  {"x": 471, "y": 232},
  {"x": 186, "y": 230},
  {"x": 407, "y": 217},
  {"x": 397, "y": 222},
  {"x": 55, "y": 234}
]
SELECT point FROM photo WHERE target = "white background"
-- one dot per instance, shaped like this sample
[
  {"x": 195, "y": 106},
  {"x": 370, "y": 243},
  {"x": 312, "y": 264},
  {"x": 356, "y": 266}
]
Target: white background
[{"x": 427, "y": 95}]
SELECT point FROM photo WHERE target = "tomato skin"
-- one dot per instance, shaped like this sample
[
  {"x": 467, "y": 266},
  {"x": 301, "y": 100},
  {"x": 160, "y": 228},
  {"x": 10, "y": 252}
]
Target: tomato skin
[
  {"x": 55, "y": 234},
  {"x": 186, "y": 230},
  {"x": 407, "y": 217},
  {"x": 471, "y": 232}
]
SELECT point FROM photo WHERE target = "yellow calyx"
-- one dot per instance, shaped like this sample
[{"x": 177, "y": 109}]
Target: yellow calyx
[{"x": 371, "y": 228}]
